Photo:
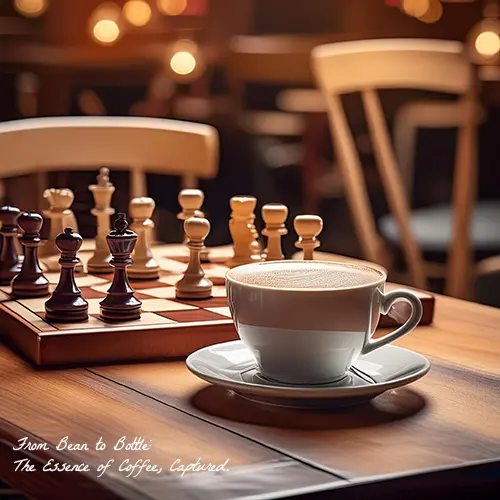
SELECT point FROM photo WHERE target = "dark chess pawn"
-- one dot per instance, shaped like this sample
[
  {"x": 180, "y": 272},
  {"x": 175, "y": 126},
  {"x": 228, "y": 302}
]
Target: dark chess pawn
[
  {"x": 120, "y": 303},
  {"x": 30, "y": 282},
  {"x": 10, "y": 264},
  {"x": 67, "y": 303}
]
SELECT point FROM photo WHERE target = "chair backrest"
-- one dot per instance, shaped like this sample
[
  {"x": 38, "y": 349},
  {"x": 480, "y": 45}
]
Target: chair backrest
[
  {"x": 438, "y": 65},
  {"x": 138, "y": 144},
  {"x": 364, "y": 66},
  {"x": 272, "y": 59}
]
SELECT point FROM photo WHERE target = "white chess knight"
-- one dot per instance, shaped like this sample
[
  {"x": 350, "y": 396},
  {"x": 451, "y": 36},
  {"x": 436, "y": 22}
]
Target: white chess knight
[
  {"x": 144, "y": 265},
  {"x": 102, "y": 192},
  {"x": 60, "y": 216}
]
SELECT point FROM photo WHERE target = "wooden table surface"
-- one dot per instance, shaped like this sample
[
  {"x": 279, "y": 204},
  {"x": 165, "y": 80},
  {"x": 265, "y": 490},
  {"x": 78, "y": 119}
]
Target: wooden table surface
[{"x": 439, "y": 434}]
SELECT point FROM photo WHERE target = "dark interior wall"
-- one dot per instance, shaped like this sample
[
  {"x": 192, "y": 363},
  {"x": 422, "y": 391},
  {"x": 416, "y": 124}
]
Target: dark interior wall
[
  {"x": 364, "y": 18},
  {"x": 297, "y": 16}
]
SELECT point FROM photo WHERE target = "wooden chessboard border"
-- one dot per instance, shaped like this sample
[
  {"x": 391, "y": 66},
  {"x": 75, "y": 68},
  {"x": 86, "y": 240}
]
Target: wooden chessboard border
[{"x": 46, "y": 345}]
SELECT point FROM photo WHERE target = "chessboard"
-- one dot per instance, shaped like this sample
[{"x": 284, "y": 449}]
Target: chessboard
[{"x": 168, "y": 327}]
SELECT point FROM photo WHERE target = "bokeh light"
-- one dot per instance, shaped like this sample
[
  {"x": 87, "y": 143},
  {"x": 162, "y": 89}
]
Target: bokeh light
[
  {"x": 106, "y": 31},
  {"x": 106, "y": 23},
  {"x": 433, "y": 13},
  {"x": 488, "y": 43},
  {"x": 183, "y": 63},
  {"x": 415, "y": 8},
  {"x": 31, "y": 8},
  {"x": 137, "y": 12},
  {"x": 172, "y": 7}
]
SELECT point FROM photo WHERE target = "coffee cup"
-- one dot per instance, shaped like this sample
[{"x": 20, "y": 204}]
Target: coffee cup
[{"x": 307, "y": 322}]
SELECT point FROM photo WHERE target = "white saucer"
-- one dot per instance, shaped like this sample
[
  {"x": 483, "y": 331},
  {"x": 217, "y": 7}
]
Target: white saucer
[{"x": 231, "y": 365}]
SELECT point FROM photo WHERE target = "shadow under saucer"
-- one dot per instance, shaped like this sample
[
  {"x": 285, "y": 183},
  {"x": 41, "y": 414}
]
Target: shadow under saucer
[{"x": 391, "y": 406}]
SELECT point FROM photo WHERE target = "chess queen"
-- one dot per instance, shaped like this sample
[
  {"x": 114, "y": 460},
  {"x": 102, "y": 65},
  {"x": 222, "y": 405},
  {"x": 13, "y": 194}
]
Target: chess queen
[{"x": 120, "y": 304}]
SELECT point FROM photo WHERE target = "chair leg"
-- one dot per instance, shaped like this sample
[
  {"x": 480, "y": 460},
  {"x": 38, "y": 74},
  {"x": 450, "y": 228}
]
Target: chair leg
[
  {"x": 310, "y": 165},
  {"x": 459, "y": 276},
  {"x": 393, "y": 185}
]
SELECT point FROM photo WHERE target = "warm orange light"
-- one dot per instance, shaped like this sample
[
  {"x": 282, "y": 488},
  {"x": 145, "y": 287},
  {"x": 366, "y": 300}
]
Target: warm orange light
[
  {"x": 433, "y": 14},
  {"x": 488, "y": 43},
  {"x": 31, "y": 8},
  {"x": 106, "y": 23},
  {"x": 106, "y": 31},
  {"x": 183, "y": 63},
  {"x": 415, "y": 8},
  {"x": 137, "y": 12},
  {"x": 172, "y": 7}
]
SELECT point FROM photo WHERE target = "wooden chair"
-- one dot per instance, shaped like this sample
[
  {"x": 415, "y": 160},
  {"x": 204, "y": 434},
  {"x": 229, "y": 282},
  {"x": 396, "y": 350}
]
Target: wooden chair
[
  {"x": 279, "y": 60},
  {"x": 424, "y": 114},
  {"x": 365, "y": 66},
  {"x": 140, "y": 145}
]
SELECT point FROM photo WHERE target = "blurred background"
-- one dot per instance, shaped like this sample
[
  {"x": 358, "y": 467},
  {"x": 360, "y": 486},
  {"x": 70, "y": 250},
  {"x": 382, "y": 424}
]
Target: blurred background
[{"x": 244, "y": 67}]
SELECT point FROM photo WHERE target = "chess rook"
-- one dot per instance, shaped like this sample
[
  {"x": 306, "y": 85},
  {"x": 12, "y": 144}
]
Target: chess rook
[
  {"x": 120, "y": 303},
  {"x": 194, "y": 284},
  {"x": 102, "y": 193},
  {"x": 144, "y": 265},
  {"x": 308, "y": 227},
  {"x": 274, "y": 216},
  {"x": 30, "y": 282},
  {"x": 242, "y": 231},
  {"x": 10, "y": 264},
  {"x": 66, "y": 303}
]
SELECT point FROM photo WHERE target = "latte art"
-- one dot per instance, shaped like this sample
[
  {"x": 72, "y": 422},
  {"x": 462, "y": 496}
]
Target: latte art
[{"x": 308, "y": 274}]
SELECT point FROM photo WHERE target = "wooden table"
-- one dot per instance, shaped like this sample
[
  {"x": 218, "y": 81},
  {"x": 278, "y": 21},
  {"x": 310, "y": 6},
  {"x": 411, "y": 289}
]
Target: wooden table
[{"x": 439, "y": 435}]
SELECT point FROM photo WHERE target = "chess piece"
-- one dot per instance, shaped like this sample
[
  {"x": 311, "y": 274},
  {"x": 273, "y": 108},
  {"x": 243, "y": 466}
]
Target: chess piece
[
  {"x": 102, "y": 193},
  {"x": 274, "y": 215},
  {"x": 307, "y": 228},
  {"x": 59, "y": 216},
  {"x": 66, "y": 303},
  {"x": 30, "y": 282},
  {"x": 193, "y": 284},
  {"x": 191, "y": 201},
  {"x": 144, "y": 265},
  {"x": 240, "y": 227},
  {"x": 120, "y": 303},
  {"x": 10, "y": 264}
]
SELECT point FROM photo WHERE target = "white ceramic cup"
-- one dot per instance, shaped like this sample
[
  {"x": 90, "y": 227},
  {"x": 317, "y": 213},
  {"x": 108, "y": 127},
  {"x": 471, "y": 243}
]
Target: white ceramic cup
[{"x": 306, "y": 322}]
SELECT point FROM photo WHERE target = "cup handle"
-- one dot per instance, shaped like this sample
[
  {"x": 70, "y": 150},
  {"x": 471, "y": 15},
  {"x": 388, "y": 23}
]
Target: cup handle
[{"x": 416, "y": 314}]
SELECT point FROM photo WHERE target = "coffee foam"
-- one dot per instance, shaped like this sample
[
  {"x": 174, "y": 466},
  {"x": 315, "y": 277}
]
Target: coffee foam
[{"x": 305, "y": 274}]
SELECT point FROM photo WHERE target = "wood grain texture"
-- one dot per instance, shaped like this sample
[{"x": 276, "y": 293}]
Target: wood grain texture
[
  {"x": 77, "y": 403},
  {"x": 440, "y": 429},
  {"x": 447, "y": 419}
]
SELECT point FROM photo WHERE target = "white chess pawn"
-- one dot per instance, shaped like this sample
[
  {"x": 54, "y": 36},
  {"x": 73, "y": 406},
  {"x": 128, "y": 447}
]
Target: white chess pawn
[
  {"x": 102, "y": 193},
  {"x": 194, "y": 284},
  {"x": 144, "y": 265},
  {"x": 308, "y": 228},
  {"x": 274, "y": 215},
  {"x": 242, "y": 231},
  {"x": 191, "y": 201}
]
